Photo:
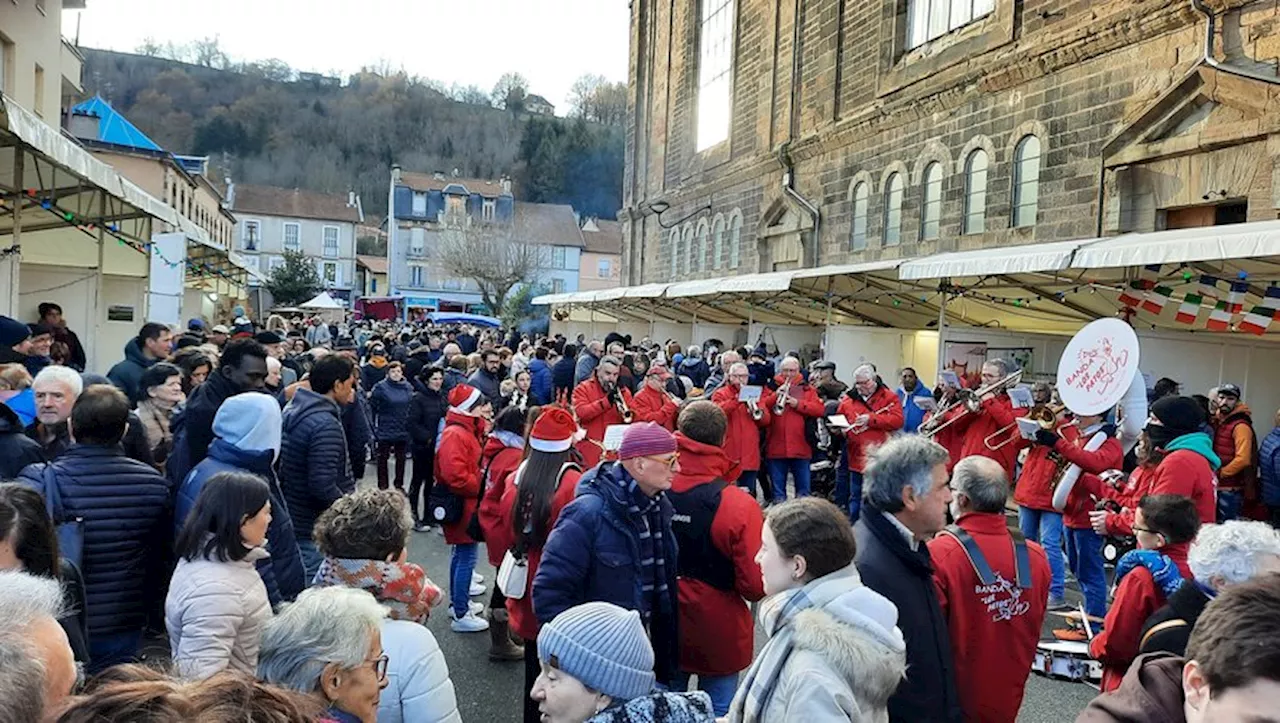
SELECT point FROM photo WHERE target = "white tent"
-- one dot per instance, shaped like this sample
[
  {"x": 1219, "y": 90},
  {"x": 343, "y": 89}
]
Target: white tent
[{"x": 323, "y": 301}]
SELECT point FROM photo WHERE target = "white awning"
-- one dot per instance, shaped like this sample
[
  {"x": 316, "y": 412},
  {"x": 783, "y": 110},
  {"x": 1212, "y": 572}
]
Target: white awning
[
  {"x": 1180, "y": 246},
  {"x": 775, "y": 281},
  {"x": 696, "y": 287},
  {"x": 1031, "y": 258},
  {"x": 869, "y": 267},
  {"x": 645, "y": 291}
]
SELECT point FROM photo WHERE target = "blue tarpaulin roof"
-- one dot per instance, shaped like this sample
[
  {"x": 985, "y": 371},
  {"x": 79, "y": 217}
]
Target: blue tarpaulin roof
[
  {"x": 113, "y": 127},
  {"x": 449, "y": 317}
]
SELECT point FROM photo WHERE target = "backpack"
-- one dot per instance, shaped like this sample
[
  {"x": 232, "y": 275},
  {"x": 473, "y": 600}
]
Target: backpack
[{"x": 70, "y": 530}]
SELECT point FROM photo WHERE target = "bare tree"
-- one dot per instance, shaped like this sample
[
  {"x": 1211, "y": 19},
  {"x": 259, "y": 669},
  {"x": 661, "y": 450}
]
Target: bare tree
[
  {"x": 208, "y": 52},
  {"x": 492, "y": 256},
  {"x": 510, "y": 92},
  {"x": 149, "y": 47},
  {"x": 593, "y": 97},
  {"x": 582, "y": 94}
]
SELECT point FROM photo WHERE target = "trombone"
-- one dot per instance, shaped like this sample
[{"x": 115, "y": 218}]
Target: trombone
[
  {"x": 1046, "y": 415},
  {"x": 882, "y": 410},
  {"x": 971, "y": 400}
]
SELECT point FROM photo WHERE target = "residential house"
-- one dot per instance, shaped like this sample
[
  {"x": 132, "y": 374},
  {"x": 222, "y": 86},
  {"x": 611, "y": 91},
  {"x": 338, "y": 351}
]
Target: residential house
[
  {"x": 39, "y": 69},
  {"x": 601, "y": 255},
  {"x": 371, "y": 276},
  {"x": 322, "y": 226},
  {"x": 537, "y": 105}
]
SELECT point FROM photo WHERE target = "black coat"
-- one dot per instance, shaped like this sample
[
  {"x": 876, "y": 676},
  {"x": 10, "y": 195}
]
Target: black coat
[
  {"x": 1169, "y": 628},
  {"x": 127, "y": 511},
  {"x": 315, "y": 469},
  {"x": 490, "y": 385},
  {"x": 17, "y": 450},
  {"x": 426, "y": 411},
  {"x": 889, "y": 566},
  {"x": 389, "y": 403},
  {"x": 562, "y": 375},
  {"x": 134, "y": 443},
  {"x": 417, "y": 361},
  {"x": 193, "y": 426}
]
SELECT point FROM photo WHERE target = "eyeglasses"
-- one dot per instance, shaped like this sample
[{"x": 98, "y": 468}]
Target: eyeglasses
[
  {"x": 1147, "y": 530},
  {"x": 380, "y": 666},
  {"x": 668, "y": 461}
]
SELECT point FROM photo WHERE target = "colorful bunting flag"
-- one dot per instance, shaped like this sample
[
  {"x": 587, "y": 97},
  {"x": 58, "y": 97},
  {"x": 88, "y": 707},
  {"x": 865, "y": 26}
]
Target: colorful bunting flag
[
  {"x": 1149, "y": 275},
  {"x": 1235, "y": 299},
  {"x": 1155, "y": 301},
  {"x": 1257, "y": 320},
  {"x": 1190, "y": 309},
  {"x": 1219, "y": 318},
  {"x": 1209, "y": 287},
  {"x": 1272, "y": 299},
  {"x": 1130, "y": 296}
]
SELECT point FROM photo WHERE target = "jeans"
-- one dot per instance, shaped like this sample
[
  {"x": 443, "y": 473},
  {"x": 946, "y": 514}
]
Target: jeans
[
  {"x": 720, "y": 688},
  {"x": 1084, "y": 554},
  {"x": 461, "y": 564},
  {"x": 1230, "y": 503},
  {"x": 855, "y": 493},
  {"x": 799, "y": 469},
  {"x": 108, "y": 650},
  {"x": 384, "y": 452},
  {"x": 1046, "y": 528},
  {"x": 424, "y": 478},
  {"x": 747, "y": 481},
  {"x": 311, "y": 558}
]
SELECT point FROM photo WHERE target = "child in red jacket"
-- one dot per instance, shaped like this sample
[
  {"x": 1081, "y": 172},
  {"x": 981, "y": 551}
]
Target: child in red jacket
[{"x": 1164, "y": 526}]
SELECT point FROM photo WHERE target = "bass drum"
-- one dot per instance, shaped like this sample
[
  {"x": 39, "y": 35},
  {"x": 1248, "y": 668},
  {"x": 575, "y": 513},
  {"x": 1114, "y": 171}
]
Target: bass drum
[{"x": 1067, "y": 660}]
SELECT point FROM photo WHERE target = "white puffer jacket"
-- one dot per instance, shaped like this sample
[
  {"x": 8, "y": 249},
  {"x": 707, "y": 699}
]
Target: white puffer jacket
[
  {"x": 419, "y": 689},
  {"x": 215, "y": 612}
]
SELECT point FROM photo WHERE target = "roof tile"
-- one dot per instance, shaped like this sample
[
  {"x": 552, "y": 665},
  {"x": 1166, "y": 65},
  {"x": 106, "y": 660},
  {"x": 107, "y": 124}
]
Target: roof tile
[{"x": 293, "y": 203}]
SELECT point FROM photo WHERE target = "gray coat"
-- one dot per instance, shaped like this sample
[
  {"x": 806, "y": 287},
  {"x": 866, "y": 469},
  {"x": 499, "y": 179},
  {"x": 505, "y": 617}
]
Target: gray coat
[{"x": 215, "y": 612}]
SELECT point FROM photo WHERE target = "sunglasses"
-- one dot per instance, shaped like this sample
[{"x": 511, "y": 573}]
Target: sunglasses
[{"x": 668, "y": 461}]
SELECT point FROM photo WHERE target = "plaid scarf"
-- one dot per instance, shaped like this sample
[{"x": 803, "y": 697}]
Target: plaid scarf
[
  {"x": 653, "y": 562},
  {"x": 401, "y": 586}
]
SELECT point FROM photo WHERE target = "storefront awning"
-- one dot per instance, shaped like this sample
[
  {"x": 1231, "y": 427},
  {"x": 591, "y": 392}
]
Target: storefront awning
[
  {"x": 1054, "y": 256},
  {"x": 1182, "y": 246}
]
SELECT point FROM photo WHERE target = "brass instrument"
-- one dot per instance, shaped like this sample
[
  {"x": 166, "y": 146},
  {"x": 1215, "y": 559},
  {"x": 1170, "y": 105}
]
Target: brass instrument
[
  {"x": 971, "y": 400},
  {"x": 882, "y": 410},
  {"x": 623, "y": 409},
  {"x": 780, "y": 405},
  {"x": 756, "y": 412},
  {"x": 1046, "y": 415}
]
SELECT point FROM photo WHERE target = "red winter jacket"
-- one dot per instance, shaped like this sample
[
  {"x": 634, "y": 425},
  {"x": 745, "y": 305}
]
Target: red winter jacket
[
  {"x": 1034, "y": 490},
  {"x": 650, "y": 406},
  {"x": 595, "y": 413},
  {"x": 458, "y": 468},
  {"x": 523, "y": 621},
  {"x": 499, "y": 461},
  {"x": 716, "y": 630},
  {"x": 1136, "y": 598},
  {"x": 997, "y": 413},
  {"x": 994, "y": 629},
  {"x": 785, "y": 438},
  {"x": 950, "y": 438},
  {"x": 742, "y": 435},
  {"x": 884, "y": 417},
  {"x": 1082, "y": 500},
  {"x": 1181, "y": 472}
]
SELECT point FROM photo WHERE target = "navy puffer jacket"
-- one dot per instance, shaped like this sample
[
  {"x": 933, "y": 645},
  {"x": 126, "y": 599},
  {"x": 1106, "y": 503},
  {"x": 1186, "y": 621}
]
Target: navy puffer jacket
[
  {"x": 540, "y": 388},
  {"x": 390, "y": 406},
  {"x": 314, "y": 467},
  {"x": 1269, "y": 468},
  {"x": 127, "y": 515},
  {"x": 282, "y": 573}
]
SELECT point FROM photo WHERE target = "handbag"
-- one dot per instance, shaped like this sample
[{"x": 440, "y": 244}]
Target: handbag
[
  {"x": 444, "y": 506},
  {"x": 70, "y": 531},
  {"x": 513, "y": 576}
]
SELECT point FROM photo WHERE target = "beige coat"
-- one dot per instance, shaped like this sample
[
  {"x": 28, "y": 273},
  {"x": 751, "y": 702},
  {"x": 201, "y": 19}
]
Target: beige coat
[{"x": 215, "y": 612}]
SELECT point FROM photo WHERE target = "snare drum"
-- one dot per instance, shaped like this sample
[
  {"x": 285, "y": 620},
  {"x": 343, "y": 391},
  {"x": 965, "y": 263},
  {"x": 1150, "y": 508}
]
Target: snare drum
[{"x": 1067, "y": 660}]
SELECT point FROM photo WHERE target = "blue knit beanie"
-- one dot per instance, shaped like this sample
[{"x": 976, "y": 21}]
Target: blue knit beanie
[{"x": 603, "y": 646}]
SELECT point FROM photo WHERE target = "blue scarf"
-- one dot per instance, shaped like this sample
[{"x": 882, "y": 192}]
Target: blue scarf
[{"x": 1167, "y": 576}]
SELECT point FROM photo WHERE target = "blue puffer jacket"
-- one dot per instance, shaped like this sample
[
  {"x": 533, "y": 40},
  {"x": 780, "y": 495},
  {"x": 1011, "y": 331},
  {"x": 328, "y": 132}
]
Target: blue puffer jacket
[
  {"x": 390, "y": 406},
  {"x": 127, "y": 374},
  {"x": 314, "y": 467},
  {"x": 282, "y": 573},
  {"x": 1269, "y": 468},
  {"x": 593, "y": 554},
  {"x": 127, "y": 513},
  {"x": 540, "y": 381}
]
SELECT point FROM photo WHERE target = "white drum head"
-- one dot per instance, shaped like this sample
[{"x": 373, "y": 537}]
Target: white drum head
[{"x": 1097, "y": 366}]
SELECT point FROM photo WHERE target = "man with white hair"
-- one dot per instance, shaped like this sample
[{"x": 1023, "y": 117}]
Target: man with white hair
[
  {"x": 906, "y": 494},
  {"x": 1221, "y": 556},
  {"x": 56, "y": 389},
  {"x": 37, "y": 667},
  {"x": 874, "y": 413},
  {"x": 721, "y": 373},
  {"x": 996, "y": 414}
]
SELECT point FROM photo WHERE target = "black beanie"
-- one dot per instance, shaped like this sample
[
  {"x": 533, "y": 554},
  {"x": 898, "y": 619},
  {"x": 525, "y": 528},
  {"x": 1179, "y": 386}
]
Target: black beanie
[{"x": 1180, "y": 415}]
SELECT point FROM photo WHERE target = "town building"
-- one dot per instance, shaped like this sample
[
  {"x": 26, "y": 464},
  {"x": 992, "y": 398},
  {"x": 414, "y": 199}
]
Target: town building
[
  {"x": 321, "y": 226},
  {"x": 601, "y": 266},
  {"x": 537, "y": 105},
  {"x": 371, "y": 276}
]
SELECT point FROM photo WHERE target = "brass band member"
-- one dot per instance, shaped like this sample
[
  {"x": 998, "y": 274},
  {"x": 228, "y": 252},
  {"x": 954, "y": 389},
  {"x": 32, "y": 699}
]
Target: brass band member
[
  {"x": 995, "y": 413},
  {"x": 652, "y": 403},
  {"x": 787, "y": 447},
  {"x": 746, "y": 419},
  {"x": 598, "y": 402},
  {"x": 873, "y": 412},
  {"x": 1038, "y": 519}
]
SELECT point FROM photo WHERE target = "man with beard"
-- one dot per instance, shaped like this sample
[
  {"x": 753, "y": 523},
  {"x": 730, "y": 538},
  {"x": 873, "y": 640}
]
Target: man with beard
[
  {"x": 1237, "y": 447},
  {"x": 597, "y": 403}
]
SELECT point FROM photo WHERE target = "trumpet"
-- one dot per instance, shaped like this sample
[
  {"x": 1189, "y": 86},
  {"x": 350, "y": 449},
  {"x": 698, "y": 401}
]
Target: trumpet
[
  {"x": 780, "y": 405},
  {"x": 971, "y": 400},
  {"x": 1046, "y": 415},
  {"x": 754, "y": 408},
  {"x": 860, "y": 430},
  {"x": 623, "y": 409}
]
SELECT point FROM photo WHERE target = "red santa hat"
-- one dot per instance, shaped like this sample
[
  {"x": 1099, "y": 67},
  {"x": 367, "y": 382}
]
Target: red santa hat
[
  {"x": 553, "y": 432},
  {"x": 463, "y": 398}
]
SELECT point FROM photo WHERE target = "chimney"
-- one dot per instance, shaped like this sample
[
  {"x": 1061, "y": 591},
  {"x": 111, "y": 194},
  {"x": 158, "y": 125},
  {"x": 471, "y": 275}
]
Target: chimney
[
  {"x": 455, "y": 173},
  {"x": 395, "y": 175},
  {"x": 506, "y": 185},
  {"x": 230, "y": 200},
  {"x": 351, "y": 199}
]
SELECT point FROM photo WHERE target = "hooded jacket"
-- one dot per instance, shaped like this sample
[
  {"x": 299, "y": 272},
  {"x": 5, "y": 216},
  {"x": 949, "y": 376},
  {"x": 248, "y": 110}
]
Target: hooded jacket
[
  {"x": 426, "y": 412},
  {"x": 24, "y": 405},
  {"x": 1151, "y": 692},
  {"x": 595, "y": 412},
  {"x": 523, "y": 620},
  {"x": 997, "y": 414},
  {"x": 127, "y": 373},
  {"x": 1169, "y": 628},
  {"x": 193, "y": 427},
  {"x": 1188, "y": 470},
  {"x": 913, "y": 415},
  {"x": 786, "y": 438},
  {"x": 540, "y": 386},
  {"x": 696, "y": 369},
  {"x": 1269, "y": 468},
  {"x": 562, "y": 375},
  {"x": 457, "y": 467},
  {"x": 389, "y": 404},
  {"x": 500, "y": 457},
  {"x": 848, "y": 658},
  {"x": 17, "y": 450},
  {"x": 654, "y": 406},
  {"x": 315, "y": 469},
  {"x": 215, "y": 612}
]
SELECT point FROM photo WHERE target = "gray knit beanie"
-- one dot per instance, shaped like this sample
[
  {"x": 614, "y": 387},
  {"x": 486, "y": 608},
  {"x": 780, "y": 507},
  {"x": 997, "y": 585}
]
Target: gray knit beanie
[{"x": 602, "y": 645}]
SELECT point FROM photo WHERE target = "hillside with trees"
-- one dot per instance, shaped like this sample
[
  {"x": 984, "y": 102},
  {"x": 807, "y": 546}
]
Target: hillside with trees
[{"x": 263, "y": 122}]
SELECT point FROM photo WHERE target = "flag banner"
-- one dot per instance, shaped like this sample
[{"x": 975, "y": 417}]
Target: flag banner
[
  {"x": 1219, "y": 318},
  {"x": 1235, "y": 300},
  {"x": 1190, "y": 309},
  {"x": 1272, "y": 299},
  {"x": 1256, "y": 321},
  {"x": 1130, "y": 296},
  {"x": 1155, "y": 301},
  {"x": 1209, "y": 287}
]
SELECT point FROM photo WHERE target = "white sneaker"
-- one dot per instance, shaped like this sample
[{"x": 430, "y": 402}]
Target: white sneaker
[
  {"x": 469, "y": 624},
  {"x": 476, "y": 589},
  {"x": 474, "y": 607},
  {"x": 477, "y": 578}
]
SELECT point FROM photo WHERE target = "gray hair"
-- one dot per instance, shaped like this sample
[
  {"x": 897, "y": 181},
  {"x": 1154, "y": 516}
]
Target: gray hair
[
  {"x": 694, "y": 351},
  {"x": 788, "y": 358},
  {"x": 983, "y": 481},
  {"x": 609, "y": 359},
  {"x": 1000, "y": 364},
  {"x": 325, "y": 625},
  {"x": 26, "y": 599},
  {"x": 59, "y": 374},
  {"x": 902, "y": 461},
  {"x": 865, "y": 371},
  {"x": 1229, "y": 553},
  {"x": 729, "y": 357},
  {"x": 22, "y": 678}
]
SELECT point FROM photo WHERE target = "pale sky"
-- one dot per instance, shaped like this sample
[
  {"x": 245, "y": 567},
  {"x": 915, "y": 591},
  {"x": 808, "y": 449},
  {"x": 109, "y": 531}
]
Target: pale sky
[{"x": 551, "y": 42}]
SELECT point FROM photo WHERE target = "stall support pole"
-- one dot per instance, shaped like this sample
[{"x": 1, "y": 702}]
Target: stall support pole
[
  {"x": 942, "y": 331},
  {"x": 693, "y": 332},
  {"x": 100, "y": 294},
  {"x": 826, "y": 323},
  {"x": 593, "y": 322},
  {"x": 751, "y": 322},
  {"x": 14, "y": 260},
  {"x": 651, "y": 324}
]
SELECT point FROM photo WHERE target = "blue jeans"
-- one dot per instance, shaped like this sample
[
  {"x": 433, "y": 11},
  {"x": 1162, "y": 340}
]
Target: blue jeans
[
  {"x": 720, "y": 688},
  {"x": 1230, "y": 503},
  {"x": 799, "y": 469},
  {"x": 1046, "y": 528},
  {"x": 843, "y": 500},
  {"x": 855, "y": 493},
  {"x": 461, "y": 564},
  {"x": 311, "y": 559},
  {"x": 747, "y": 481},
  {"x": 1084, "y": 554},
  {"x": 108, "y": 650}
]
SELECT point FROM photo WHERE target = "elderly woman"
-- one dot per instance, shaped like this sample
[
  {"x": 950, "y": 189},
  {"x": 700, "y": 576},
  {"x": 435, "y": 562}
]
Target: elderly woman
[
  {"x": 161, "y": 388},
  {"x": 364, "y": 538},
  {"x": 329, "y": 644}
]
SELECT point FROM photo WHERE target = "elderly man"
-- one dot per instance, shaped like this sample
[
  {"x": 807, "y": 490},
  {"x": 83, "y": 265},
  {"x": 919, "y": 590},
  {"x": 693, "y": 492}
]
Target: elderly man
[
  {"x": 993, "y": 590},
  {"x": 1237, "y": 447},
  {"x": 587, "y": 361},
  {"x": 56, "y": 388},
  {"x": 825, "y": 383},
  {"x": 614, "y": 543},
  {"x": 274, "y": 344},
  {"x": 652, "y": 403},
  {"x": 874, "y": 413},
  {"x": 742, "y": 434},
  {"x": 992, "y": 424},
  {"x": 218, "y": 335},
  {"x": 1221, "y": 557},
  {"x": 598, "y": 403},
  {"x": 720, "y": 375},
  {"x": 787, "y": 447},
  {"x": 905, "y": 500},
  {"x": 37, "y": 667}
]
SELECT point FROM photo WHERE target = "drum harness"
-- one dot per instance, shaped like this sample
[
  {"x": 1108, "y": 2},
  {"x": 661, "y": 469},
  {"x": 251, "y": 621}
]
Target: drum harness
[{"x": 1022, "y": 558}]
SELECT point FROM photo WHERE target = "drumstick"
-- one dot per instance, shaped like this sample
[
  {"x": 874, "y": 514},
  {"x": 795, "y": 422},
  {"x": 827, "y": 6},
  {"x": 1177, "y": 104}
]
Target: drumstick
[{"x": 1084, "y": 618}]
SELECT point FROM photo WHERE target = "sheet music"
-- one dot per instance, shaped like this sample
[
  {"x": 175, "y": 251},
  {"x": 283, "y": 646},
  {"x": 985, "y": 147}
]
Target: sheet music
[
  {"x": 925, "y": 403},
  {"x": 749, "y": 393},
  {"x": 1021, "y": 397},
  {"x": 613, "y": 436}
]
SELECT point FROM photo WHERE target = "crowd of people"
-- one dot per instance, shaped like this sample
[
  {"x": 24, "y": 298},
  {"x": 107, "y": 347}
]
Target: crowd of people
[{"x": 643, "y": 506}]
